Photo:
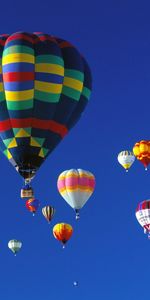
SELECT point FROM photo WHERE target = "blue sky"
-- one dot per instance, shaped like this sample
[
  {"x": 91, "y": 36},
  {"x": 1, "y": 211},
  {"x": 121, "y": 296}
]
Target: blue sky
[{"x": 108, "y": 252}]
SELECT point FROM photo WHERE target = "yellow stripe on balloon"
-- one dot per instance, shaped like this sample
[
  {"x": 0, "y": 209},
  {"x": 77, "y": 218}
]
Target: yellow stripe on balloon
[
  {"x": 0, "y": 69},
  {"x": 48, "y": 87},
  {"x": 19, "y": 95},
  {"x": 49, "y": 68},
  {"x": 18, "y": 57},
  {"x": 75, "y": 189},
  {"x": 75, "y": 175},
  {"x": 73, "y": 83}
]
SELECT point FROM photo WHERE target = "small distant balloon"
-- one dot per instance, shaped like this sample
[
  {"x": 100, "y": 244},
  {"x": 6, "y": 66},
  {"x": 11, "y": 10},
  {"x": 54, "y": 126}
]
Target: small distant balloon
[
  {"x": 62, "y": 232},
  {"x": 143, "y": 216},
  {"x": 14, "y": 246},
  {"x": 48, "y": 212},
  {"x": 142, "y": 152},
  {"x": 126, "y": 159},
  {"x": 75, "y": 283},
  {"x": 32, "y": 205}
]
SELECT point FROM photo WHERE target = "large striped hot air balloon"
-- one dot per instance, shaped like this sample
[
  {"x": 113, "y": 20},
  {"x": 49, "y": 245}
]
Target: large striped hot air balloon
[
  {"x": 142, "y": 152},
  {"x": 45, "y": 85},
  {"x": 76, "y": 187},
  {"x": 143, "y": 215}
]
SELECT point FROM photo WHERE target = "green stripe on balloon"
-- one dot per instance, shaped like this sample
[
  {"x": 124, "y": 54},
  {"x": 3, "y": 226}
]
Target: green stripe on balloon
[
  {"x": 69, "y": 92},
  {"x": 20, "y": 105},
  {"x": 74, "y": 74},
  {"x": 47, "y": 97},
  {"x": 18, "y": 49},
  {"x": 51, "y": 59},
  {"x": 86, "y": 92}
]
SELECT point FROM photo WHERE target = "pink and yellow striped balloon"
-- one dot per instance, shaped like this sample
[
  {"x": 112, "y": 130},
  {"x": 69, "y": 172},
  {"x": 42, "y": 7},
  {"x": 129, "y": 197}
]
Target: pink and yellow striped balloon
[{"x": 76, "y": 187}]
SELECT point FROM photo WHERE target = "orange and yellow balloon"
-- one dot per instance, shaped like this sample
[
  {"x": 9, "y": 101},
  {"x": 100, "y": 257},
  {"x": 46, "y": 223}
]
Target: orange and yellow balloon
[
  {"x": 62, "y": 232},
  {"x": 142, "y": 152}
]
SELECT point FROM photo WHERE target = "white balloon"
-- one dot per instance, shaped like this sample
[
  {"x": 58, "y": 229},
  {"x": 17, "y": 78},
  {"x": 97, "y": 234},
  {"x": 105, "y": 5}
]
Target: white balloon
[
  {"x": 126, "y": 159},
  {"x": 14, "y": 246},
  {"x": 76, "y": 187}
]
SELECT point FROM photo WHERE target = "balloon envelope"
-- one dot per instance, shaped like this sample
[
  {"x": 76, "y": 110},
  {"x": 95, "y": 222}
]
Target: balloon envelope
[
  {"x": 126, "y": 159},
  {"x": 45, "y": 85},
  {"x": 32, "y": 205},
  {"x": 76, "y": 187},
  {"x": 14, "y": 245},
  {"x": 143, "y": 215},
  {"x": 142, "y": 152},
  {"x": 62, "y": 232},
  {"x": 48, "y": 212}
]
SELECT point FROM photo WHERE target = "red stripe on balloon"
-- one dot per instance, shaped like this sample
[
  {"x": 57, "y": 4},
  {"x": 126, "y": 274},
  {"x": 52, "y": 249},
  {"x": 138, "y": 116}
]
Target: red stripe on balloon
[
  {"x": 44, "y": 38},
  {"x": 2, "y": 42},
  {"x": 18, "y": 76},
  {"x": 65, "y": 45},
  {"x": 32, "y": 40},
  {"x": 20, "y": 36},
  {"x": 5, "y": 35},
  {"x": 50, "y": 125},
  {"x": 35, "y": 123},
  {"x": 5, "y": 125},
  {"x": 3, "y": 38}
]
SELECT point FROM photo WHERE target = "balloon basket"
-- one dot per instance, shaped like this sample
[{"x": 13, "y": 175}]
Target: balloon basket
[{"x": 27, "y": 192}]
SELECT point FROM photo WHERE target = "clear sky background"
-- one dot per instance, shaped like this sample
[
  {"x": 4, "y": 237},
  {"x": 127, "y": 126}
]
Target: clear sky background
[{"x": 108, "y": 253}]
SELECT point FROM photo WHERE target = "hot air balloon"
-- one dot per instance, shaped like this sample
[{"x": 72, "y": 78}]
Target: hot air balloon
[
  {"x": 62, "y": 232},
  {"x": 75, "y": 283},
  {"x": 48, "y": 212},
  {"x": 45, "y": 85},
  {"x": 143, "y": 215},
  {"x": 32, "y": 205},
  {"x": 126, "y": 159},
  {"x": 76, "y": 187},
  {"x": 14, "y": 246},
  {"x": 142, "y": 152}
]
